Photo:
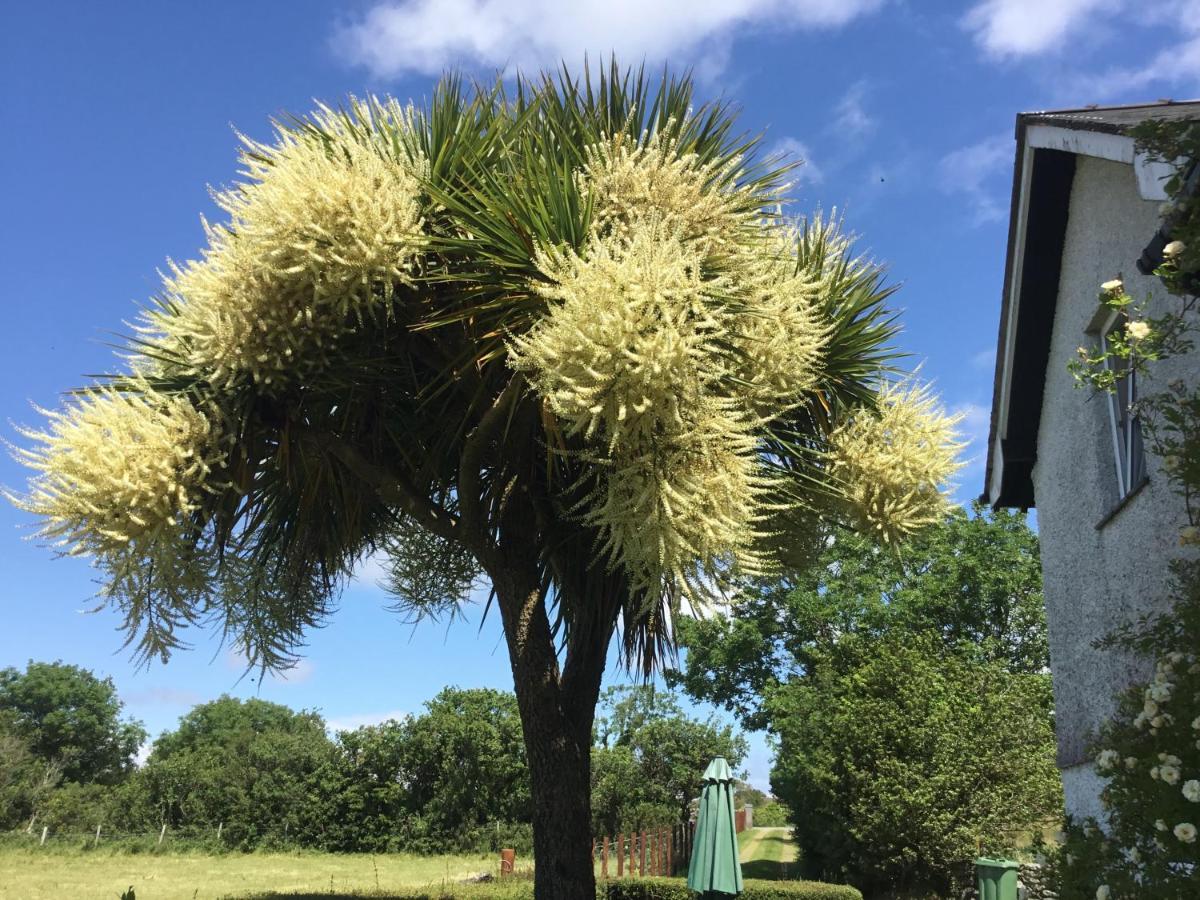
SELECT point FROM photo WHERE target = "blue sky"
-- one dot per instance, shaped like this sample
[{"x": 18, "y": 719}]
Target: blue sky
[{"x": 118, "y": 116}]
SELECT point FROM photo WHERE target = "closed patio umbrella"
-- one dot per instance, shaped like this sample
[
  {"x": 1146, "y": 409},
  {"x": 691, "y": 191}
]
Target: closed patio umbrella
[{"x": 715, "y": 870}]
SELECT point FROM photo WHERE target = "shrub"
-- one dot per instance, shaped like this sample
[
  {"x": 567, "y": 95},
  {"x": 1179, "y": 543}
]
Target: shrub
[
  {"x": 676, "y": 889},
  {"x": 900, "y": 760},
  {"x": 771, "y": 815}
]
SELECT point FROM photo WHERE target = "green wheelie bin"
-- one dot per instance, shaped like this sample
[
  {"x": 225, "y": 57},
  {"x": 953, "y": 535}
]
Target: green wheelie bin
[{"x": 996, "y": 878}]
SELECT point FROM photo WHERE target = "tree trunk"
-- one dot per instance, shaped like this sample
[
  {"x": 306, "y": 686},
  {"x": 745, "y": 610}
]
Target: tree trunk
[{"x": 557, "y": 711}]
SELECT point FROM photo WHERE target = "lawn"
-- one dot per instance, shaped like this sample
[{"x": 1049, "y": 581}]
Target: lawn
[
  {"x": 34, "y": 875},
  {"x": 767, "y": 853}
]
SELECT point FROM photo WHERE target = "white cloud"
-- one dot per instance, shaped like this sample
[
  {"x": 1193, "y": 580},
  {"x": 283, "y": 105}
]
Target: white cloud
[
  {"x": 850, "y": 115},
  {"x": 984, "y": 360},
  {"x": 1024, "y": 27},
  {"x": 162, "y": 696},
  {"x": 299, "y": 672},
  {"x": 975, "y": 172},
  {"x": 792, "y": 150},
  {"x": 398, "y": 37},
  {"x": 360, "y": 720}
]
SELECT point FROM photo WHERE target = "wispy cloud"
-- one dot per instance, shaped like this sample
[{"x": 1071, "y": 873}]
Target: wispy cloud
[
  {"x": 977, "y": 173},
  {"x": 162, "y": 696},
  {"x": 301, "y": 671},
  {"x": 399, "y": 37},
  {"x": 361, "y": 720},
  {"x": 791, "y": 150},
  {"x": 984, "y": 360},
  {"x": 851, "y": 118},
  {"x": 1007, "y": 28},
  {"x": 1016, "y": 29}
]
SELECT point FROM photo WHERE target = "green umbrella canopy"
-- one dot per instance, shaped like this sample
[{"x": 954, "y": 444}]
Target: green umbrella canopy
[{"x": 715, "y": 869}]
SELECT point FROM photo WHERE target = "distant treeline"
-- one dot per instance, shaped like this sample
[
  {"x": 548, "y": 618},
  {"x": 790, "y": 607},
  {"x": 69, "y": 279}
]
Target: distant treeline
[{"x": 247, "y": 774}]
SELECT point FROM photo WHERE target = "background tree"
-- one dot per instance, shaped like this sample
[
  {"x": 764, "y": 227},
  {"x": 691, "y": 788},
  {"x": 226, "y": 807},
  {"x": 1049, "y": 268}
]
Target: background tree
[
  {"x": 70, "y": 719},
  {"x": 561, "y": 337},
  {"x": 264, "y": 771},
  {"x": 455, "y": 776},
  {"x": 903, "y": 760},
  {"x": 649, "y": 757},
  {"x": 974, "y": 582},
  {"x": 909, "y": 694}
]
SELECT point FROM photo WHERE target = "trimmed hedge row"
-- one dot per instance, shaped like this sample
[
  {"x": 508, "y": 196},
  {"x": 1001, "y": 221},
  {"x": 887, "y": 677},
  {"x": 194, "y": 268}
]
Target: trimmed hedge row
[
  {"x": 616, "y": 889},
  {"x": 676, "y": 889}
]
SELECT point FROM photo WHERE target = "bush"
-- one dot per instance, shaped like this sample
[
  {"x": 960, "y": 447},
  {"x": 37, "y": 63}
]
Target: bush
[
  {"x": 771, "y": 815},
  {"x": 901, "y": 760},
  {"x": 676, "y": 889}
]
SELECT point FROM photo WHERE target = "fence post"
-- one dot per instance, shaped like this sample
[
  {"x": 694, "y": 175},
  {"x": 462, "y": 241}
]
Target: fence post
[
  {"x": 508, "y": 859},
  {"x": 642, "y": 851},
  {"x": 45, "y": 828},
  {"x": 96, "y": 842},
  {"x": 220, "y": 825},
  {"x": 604, "y": 858},
  {"x": 620, "y": 854},
  {"x": 162, "y": 834}
]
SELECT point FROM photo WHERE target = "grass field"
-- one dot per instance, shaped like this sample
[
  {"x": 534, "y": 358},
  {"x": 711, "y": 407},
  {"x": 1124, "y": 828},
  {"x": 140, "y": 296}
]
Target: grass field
[
  {"x": 767, "y": 853},
  {"x": 34, "y": 875}
]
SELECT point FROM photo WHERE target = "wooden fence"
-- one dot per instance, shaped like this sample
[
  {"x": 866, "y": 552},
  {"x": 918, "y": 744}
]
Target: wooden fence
[{"x": 657, "y": 851}]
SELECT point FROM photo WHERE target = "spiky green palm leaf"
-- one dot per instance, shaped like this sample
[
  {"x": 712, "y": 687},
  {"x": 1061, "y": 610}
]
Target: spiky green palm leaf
[{"x": 414, "y": 433}]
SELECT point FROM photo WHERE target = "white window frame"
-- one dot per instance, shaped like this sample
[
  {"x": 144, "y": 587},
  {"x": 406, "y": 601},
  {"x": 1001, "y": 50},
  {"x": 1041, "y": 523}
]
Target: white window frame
[{"x": 1129, "y": 452}]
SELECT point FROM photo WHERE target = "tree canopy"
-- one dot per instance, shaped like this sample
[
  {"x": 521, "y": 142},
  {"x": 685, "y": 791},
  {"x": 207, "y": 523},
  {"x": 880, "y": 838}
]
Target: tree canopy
[
  {"x": 974, "y": 581},
  {"x": 67, "y": 717},
  {"x": 649, "y": 758}
]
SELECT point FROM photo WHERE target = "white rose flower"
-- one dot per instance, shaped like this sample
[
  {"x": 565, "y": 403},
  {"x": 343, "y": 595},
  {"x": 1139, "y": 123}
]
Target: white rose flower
[
  {"x": 1160, "y": 692},
  {"x": 1154, "y": 773},
  {"x": 1175, "y": 658},
  {"x": 1157, "y": 722},
  {"x": 1131, "y": 763},
  {"x": 1169, "y": 775},
  {"x": 1191, "y": 790},
  {"x": 1173, "y": 249},
  {"x": 1189, "y": 534},
  {"x": 1113, "y": 287},
  {"x": 1138, "y": 331},
  {"x": 1196, "y": 723},
  {"x": 1186, "y": 832},
  {"x": 1150, "y": 708},
  {"x": 1107, "y": 760},
  {"x": 1160, "y": 824},
  {"x": 1172, "y": 462},
  {"x": 1103, "y": 893}
]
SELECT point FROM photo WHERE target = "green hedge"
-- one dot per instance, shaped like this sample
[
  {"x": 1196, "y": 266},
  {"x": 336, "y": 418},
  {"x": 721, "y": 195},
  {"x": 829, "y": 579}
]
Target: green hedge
[
  {"x": 676, "y": 889},
  {"x": 616, "y": 889}
]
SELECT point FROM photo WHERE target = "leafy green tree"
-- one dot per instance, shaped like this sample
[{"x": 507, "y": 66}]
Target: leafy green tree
[
  {"x": 264, "y": 771},
  {"x": 902, "y": 759},
  {"x": 561, "y": 338},
  {"x": 68, "y": 717},
  {"x": 973, "y": 580},
  {"x": 650, "y": 757},
  {"x": 25, "y": 780},
  {"x": 880, "y": 673}
]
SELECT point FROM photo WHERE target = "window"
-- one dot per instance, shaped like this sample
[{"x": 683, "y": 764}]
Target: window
[{"x": 1126, "y": 429}]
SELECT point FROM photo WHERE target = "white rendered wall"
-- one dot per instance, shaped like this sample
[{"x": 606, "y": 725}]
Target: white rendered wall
[{"x": 1097, "y": 577}]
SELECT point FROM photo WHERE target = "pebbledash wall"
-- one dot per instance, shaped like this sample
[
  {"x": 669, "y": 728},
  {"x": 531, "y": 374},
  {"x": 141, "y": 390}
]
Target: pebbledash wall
[{"x": 1104, "y": 562}]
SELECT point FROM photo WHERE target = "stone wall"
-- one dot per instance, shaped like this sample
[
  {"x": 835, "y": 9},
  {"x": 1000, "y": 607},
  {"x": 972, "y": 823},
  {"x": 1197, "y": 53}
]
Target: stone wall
[{"x": 1031, "y": 885}]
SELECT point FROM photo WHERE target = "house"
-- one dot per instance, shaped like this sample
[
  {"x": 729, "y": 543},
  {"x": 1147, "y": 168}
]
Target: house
[{"x": 1085, "y": 209}]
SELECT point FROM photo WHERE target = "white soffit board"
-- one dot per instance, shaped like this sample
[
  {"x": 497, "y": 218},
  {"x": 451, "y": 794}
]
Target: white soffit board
[{"x": 1151, "y": 175}]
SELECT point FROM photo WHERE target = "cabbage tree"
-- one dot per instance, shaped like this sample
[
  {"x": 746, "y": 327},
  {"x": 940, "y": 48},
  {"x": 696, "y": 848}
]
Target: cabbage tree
[{"x": 558, "y": 340}]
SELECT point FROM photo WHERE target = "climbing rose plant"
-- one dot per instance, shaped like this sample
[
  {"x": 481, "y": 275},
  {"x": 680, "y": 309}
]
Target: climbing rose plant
[{"x": 1149, "y": 753}]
